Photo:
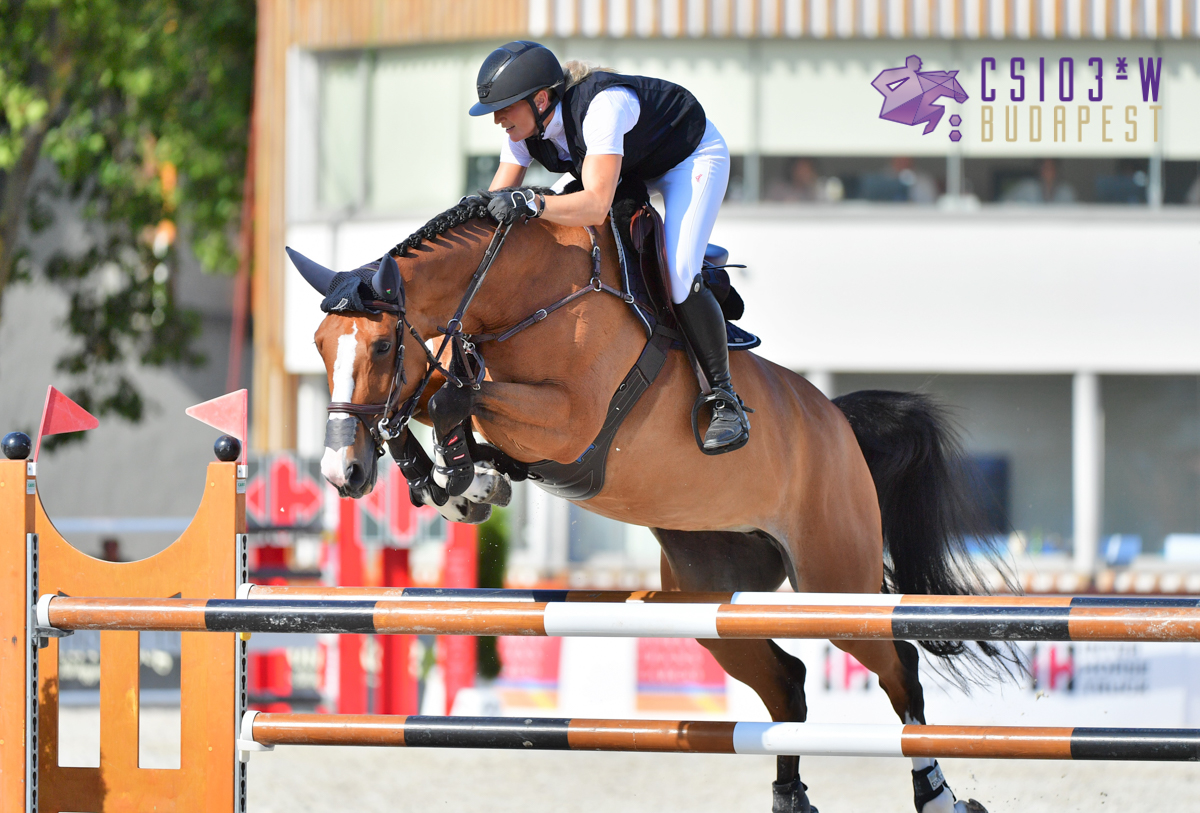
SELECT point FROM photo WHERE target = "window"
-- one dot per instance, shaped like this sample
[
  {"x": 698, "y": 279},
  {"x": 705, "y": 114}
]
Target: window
[
  {"x": 482, "y": 168},
  {"x": 832, "y": 179},
  {"x": 1050, "y": 181},
  {"x": 387, "y": 141},
  {"x": 1181, "y": 182}
]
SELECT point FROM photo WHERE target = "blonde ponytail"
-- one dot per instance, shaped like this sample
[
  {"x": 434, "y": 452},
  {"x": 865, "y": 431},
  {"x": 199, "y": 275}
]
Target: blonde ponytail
[{"x": 577, "y": 70}]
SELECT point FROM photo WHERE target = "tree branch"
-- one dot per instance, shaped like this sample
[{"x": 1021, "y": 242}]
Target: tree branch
[{"x": 16, "y": 190}]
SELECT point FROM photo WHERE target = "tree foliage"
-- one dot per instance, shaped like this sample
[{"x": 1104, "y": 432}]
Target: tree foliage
[
  {"x": 493, "y": 548},
  {"x": 135, "y": 115}
]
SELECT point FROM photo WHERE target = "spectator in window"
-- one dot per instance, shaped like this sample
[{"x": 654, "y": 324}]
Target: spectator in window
[
  {"x": 901, "y": 182},
  {"x": 1046, "y": 188},
  {"x": 1193, "y": 194},
  {"x": 921, "y": 186},
  {"x": 802, "y": 185}
]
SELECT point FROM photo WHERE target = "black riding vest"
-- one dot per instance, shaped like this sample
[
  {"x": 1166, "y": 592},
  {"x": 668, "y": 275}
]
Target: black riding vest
[{"x": 669, "y": 127}]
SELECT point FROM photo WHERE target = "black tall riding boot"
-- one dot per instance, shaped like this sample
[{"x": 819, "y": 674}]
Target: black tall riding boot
[{"x": 704, "y": 325}]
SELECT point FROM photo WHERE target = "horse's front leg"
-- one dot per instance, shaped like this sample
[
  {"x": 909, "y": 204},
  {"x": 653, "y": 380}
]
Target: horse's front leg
[
  {"x": 417, "y": 469},
  {"x": 532, "y": 421},
  {"x": 450, "y": 410}
]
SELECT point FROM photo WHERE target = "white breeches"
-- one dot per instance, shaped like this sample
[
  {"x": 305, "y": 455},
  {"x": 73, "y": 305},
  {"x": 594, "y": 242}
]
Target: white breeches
[{"x": 692, "y": 192}]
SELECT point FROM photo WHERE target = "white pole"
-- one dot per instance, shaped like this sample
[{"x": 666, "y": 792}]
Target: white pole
[{"x": 1087, "y": 470}]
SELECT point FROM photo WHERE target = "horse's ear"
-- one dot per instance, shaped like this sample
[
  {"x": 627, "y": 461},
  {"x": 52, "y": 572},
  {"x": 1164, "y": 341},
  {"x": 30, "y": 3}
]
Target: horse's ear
[
  {"x": 386, "y": 282},
  {"x": 317, "y": 275}
]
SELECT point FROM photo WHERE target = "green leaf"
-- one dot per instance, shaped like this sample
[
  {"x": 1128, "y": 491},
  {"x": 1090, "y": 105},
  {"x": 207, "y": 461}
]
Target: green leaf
[{"x": 109, "y": 92}]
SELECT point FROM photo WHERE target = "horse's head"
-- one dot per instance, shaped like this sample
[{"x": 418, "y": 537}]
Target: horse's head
[{"x": 371, "y": 368}]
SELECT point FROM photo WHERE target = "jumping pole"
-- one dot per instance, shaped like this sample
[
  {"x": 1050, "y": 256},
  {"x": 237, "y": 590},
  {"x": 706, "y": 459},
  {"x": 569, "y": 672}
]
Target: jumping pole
[
  {"x": 276, "y": 592},
  {"x": 912, "y": 622},
  {"x": 776, "y": 739}
]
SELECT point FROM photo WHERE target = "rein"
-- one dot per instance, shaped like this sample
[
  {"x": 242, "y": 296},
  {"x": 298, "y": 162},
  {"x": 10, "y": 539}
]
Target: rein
[
  {"x": 465, "y": 356},
  {"x": 594, "y": 284},
  {"x": 393, "y": 421}
]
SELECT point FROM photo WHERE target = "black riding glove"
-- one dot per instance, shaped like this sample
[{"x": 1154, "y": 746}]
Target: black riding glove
[{"x": 510, "y": 204}]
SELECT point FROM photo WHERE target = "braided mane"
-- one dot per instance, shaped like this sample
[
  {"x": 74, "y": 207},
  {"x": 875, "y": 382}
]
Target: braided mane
[{"x": 471, "y": 207}]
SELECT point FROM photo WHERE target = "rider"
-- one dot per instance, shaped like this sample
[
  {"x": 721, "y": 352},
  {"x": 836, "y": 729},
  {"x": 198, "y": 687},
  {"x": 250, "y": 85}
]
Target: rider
[{"x": 599, "y": 125}]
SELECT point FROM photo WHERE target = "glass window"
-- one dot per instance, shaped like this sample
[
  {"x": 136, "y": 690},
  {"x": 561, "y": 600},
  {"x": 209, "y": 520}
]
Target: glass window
[
  {"x": 482, "y": 168},
  {"x": 831, "y": 179},
  {"x": 416, "y": 122},
  {"x": 1181, "y": 182},
  {"x": 480, "y": 171},
  {"x": 1151, "y": 456},
  {"x": 1017, "y": 431},
  {"x": 342, "y": 126},
  {"x": 1049, "y": 181}
]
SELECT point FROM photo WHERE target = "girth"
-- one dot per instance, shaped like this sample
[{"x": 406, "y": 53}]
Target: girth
[{"x": 584, "y": 478}]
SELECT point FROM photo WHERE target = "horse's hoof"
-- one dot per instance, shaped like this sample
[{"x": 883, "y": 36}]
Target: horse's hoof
[
  {"x": 969, "y": 806},
  {"x": 789, "y": 797},
  {"x": 489, "y": 486},
  {"x": 460, "y": 509}
]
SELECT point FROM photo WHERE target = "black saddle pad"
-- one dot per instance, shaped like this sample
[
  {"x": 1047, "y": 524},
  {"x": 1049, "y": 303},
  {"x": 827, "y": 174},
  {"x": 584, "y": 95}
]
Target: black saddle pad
[{"x": 740, "y": 339}]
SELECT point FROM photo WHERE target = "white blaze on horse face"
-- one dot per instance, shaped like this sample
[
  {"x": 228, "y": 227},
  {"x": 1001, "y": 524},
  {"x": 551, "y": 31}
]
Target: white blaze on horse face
[{"x": 333, "y": 461}]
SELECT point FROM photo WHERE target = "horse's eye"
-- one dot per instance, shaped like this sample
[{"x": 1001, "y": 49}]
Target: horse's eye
[{"x": 382, "y": 347}]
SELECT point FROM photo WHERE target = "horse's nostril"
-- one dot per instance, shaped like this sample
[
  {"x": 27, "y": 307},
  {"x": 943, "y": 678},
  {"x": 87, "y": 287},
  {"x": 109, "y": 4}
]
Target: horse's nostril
[{"x": 356, "y": 475}]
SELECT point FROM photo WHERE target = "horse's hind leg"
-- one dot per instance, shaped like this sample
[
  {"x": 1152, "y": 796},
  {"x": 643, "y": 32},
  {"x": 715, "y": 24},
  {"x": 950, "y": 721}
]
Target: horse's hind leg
[
  {"x": 725, "y": 561},
  {"x": 896, "y": 664}
]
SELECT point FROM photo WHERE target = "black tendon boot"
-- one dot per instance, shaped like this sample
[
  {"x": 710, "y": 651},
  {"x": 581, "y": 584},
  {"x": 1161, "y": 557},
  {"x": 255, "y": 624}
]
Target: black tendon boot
[
  {"x": 704, "y": 325},
  {"x": 787, "y": 790}
]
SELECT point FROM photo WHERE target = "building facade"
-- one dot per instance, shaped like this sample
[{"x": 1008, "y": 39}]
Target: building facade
[{"x": 1033, "y": 260}]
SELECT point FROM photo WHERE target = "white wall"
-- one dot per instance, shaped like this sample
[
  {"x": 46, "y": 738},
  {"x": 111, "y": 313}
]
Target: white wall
[{"x": 999, "y": 291}]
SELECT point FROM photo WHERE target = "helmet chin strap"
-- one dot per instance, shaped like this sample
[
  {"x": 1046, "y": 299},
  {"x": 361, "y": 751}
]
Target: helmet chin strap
[{"x": 540, "y": 118}]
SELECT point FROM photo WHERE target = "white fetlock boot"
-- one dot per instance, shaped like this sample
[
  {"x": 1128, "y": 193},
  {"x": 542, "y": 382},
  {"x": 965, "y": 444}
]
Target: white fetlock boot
[{"x": 931, "y": 794}]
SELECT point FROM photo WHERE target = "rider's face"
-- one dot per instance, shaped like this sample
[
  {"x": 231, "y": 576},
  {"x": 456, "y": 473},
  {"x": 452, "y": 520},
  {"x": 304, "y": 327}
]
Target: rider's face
[{"x": 517, "y": 119}]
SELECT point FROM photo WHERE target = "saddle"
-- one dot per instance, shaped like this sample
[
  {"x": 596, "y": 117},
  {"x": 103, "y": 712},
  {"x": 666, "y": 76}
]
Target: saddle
[
  {"x": 642, "y": 231},
  {"x": 645, "y": 276}
]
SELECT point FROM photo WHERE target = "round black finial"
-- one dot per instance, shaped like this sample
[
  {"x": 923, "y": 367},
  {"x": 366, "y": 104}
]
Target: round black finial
[
  {"x": 227, "y": 448},
  {"x": 17, "y": 446}
]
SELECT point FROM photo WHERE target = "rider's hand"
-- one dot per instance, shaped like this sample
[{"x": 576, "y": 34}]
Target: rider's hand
[{"x": 510, "y": 204}]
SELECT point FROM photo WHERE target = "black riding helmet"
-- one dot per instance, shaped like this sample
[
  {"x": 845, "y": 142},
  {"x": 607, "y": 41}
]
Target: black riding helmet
[{"x": 514, "y": 72}]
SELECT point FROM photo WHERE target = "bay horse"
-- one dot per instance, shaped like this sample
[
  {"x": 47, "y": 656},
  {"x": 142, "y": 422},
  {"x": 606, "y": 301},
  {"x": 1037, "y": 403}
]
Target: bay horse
[{"x": 863, "y": 494}]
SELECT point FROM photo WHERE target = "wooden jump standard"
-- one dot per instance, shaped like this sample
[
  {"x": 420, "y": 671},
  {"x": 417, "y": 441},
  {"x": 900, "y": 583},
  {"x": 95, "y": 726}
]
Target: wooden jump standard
[
  {"x": 262, "y": 731},
  {"x": 1167, "y": 621},
  {"x": 207, "y": 565}
]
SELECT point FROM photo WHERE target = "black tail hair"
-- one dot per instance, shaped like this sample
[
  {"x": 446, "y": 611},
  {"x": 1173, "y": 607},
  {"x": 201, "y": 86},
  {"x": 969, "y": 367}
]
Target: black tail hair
[{"x": 930, "y": 505}]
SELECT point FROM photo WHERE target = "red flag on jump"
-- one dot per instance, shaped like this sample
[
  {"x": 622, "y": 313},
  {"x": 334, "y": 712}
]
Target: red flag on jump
[
  {"x": 61, "y": 414},
  {"x": 225, "y": 414}
]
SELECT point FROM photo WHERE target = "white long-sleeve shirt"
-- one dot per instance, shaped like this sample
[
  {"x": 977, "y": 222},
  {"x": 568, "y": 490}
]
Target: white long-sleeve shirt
[{"x": 612, "y": 113}]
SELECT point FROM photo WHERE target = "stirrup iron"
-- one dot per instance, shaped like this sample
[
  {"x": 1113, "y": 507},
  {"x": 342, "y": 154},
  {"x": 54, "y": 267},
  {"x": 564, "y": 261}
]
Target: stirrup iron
[{"x": 734, "y": 402}]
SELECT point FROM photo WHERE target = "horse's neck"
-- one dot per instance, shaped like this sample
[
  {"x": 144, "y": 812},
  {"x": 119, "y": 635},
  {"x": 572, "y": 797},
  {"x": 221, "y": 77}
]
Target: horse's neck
[
  {"x": 437, "y": 279},
  {"x": 525, "y": 275}
]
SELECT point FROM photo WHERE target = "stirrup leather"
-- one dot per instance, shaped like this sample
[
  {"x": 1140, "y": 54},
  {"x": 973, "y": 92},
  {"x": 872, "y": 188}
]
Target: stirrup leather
[{"x": 733, "y": 401}]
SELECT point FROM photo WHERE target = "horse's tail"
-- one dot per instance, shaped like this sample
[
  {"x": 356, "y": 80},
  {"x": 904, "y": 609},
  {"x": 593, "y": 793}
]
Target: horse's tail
[{"x": 930, "y": 506}]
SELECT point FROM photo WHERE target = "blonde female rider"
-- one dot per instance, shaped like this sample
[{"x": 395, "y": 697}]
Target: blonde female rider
[{"x": 601, "y": 126}]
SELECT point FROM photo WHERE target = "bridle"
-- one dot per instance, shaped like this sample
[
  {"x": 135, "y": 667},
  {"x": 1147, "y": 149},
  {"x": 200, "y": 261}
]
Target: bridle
[
  {"x": 394, "y": 417},
  {"x": 466, "y": 367}
]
